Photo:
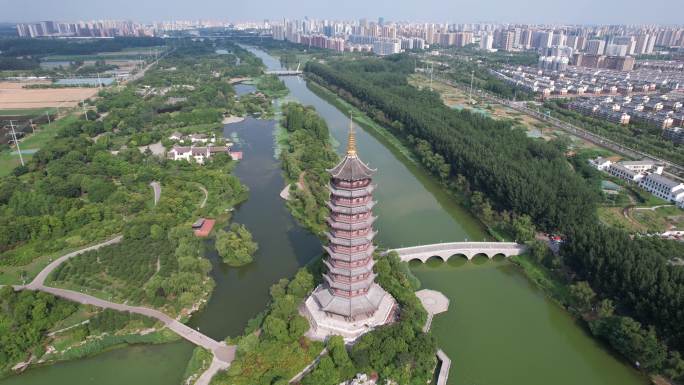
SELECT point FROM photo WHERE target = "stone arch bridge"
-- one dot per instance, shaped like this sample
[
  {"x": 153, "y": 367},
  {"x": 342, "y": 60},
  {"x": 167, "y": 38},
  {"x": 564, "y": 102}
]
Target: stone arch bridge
[{"x": 466, "y": 249}]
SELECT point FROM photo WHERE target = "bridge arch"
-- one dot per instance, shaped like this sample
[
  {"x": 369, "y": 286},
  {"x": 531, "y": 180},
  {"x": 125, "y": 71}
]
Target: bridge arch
[
  {"x": 457, "y": 259},
  {"x": 498, "y": 257},
  {"x": 435, "y": 259},
  {"x": 480, "y": 258},
  {"x": 415, "y": 260}
]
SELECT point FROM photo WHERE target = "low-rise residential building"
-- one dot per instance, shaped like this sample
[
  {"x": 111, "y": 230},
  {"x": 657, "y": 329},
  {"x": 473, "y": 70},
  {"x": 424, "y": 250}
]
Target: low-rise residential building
[
  {"x": 201, "y": 138},
  {"x": 601, "y": 164},
  {"x": 675, "y": 134},
  {"x": 642, "y": 166},
  {"x": 619, "y": 171},
  {"x": 198, "y": 154},
  {"x": 662, "y": 187}
]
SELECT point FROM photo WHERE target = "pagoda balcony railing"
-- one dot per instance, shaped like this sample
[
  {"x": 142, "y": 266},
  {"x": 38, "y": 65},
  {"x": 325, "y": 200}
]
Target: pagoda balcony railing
[
  {"x": 352, "y": 202},
  {"x": 350, "y": 218},
  {"x": 355, "y": 241},
  {"x": 348, "y": 279},
  {"x": 353, "y": 249},
  {"x": 346, "y": 234},
  {"x": 351, "y": 210},
  {"x": 350, "y": 226},
  {"x": 338, "y": 183},
  {"x": 350, "y": 256},
  {"x": 349, "y": 294},
  {"x": 348, "y": 265},
  {"x": 357, "y": 192},
  {"x": 356, "y": 285}
]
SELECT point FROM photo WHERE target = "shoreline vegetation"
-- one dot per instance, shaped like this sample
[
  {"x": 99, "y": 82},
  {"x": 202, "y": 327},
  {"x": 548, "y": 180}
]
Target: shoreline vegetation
[
  {"x": 307, "y": 146},
  {"x": 305, "y": 156},
  {"x": 51, "y": 330},
  {"x": 91, "y": 181},
  {"x": 567, "y": 278},
  {"x": 236, "y": 246}
]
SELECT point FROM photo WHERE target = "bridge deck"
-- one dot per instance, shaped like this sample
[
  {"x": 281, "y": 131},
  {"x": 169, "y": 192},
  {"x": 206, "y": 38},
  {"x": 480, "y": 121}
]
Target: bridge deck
[{"x": 468, "y": 249}]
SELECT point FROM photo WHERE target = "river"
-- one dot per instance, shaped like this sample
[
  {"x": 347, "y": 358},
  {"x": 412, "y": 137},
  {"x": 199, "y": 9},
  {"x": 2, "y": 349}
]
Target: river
[{"x": 499, "y": 330}]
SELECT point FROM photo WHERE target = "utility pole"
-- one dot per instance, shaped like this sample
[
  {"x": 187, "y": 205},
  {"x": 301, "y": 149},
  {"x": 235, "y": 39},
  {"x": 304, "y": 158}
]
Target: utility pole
[
  {"x": 48, "y": 116},
  {"x": 16, "y": 142},
  {"x": 85, "y": 112},
  {"x": 33, "y": 130}
]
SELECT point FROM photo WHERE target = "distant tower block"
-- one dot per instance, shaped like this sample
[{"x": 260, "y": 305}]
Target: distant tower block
[{"x": 349, "y": 303}]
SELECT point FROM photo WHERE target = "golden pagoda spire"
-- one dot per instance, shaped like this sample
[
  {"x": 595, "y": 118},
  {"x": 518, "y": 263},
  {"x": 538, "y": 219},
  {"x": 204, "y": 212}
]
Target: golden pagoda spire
[{"x": 351, "y": 142}]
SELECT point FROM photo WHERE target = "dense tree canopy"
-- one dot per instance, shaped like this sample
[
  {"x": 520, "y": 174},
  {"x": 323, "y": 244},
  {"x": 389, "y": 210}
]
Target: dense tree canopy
[
  {"x": 236, "y": 246},
  {"x": 515, "y": 172},
  {"x": 306, "y": 157}
]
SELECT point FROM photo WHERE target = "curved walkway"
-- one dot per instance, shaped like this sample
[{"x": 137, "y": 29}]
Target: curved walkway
[
  {"x": 39, "y": 280},
  {"x": 206, "y": 196},
  {"x": 223, "y": 354},
  {"x": 157, "y": 191},
  {"x": 468, "y": 249}
]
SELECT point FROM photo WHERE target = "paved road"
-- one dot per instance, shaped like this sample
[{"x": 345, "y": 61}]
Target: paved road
[
  {"x": 216, "y": 365},
  {"x": 157, "y": 191},
  {"x": 223, "y": 354}
]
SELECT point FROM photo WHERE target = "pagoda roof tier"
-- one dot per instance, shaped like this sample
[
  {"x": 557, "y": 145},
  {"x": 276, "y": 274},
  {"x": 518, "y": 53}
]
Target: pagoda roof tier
[
  {"x": 350, "y": 271},
  {"x": 351, "y": 193},
  {"x": 353, "y": 306},
  {"x": 363, "y": 224},
  {"x": 350, "y": 286},
  {"x": 363, "y": 208},
  {"x": 355, "y": 241},
  {"x": 350, "y": 257},
  {"x": 351, "y": 168}
]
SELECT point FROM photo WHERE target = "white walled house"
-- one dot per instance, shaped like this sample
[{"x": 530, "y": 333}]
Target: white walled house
[
  {"x": 620, "y": 171},
  {"x": 201, "y": 138},
  {"x": 177, "y": 136},
  {"x": 640, "y": 166},
  {"x": 662, "y": 187},
  {"x": 199, "y": 154},
  {"x": 600, "y": 164}
]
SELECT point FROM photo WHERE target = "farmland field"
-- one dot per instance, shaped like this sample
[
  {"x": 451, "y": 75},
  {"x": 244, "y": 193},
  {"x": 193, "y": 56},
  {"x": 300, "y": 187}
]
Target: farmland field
[{"x": 13, "y": 96}]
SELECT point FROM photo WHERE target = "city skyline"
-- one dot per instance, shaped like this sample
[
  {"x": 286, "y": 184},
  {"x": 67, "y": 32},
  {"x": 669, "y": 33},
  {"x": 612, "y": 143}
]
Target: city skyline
[{"x": 535, "y": 11}]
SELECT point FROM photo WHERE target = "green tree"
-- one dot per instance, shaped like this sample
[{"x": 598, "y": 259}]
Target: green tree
[
  {"x": 628, "y": 337},
  {"x": 582, "y": 295},
  {"x": 523, "y": 228},
  {"x": 236, "y": 246}
]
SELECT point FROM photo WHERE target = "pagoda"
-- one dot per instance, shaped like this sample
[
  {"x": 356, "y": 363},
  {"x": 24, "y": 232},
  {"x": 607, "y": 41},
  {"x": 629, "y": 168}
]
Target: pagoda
[{"x": 349, "y": 302}]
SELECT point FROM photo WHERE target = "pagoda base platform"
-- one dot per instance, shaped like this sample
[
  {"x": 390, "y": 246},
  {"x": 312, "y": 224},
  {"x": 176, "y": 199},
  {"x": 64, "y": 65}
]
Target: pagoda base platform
[{"x": 321, "y": 325}]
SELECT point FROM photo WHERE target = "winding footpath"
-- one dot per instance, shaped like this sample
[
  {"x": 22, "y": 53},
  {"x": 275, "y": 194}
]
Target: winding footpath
[
  {"x": 223, "y": 354},
  {"x": 157, "y": 191},
  {"x": 206, "y": 196}
]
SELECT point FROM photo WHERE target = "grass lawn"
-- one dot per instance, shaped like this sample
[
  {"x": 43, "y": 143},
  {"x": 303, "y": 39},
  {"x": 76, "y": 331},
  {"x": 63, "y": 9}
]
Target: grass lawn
[
  {"x": 9, "y": 159},
  {"x": 661, "y": 219},
  {"x": 612, "y": 216}
]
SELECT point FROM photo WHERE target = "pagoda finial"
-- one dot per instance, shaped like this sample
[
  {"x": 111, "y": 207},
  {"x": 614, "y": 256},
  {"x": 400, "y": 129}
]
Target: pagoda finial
[{"x": 351, "y": 143}]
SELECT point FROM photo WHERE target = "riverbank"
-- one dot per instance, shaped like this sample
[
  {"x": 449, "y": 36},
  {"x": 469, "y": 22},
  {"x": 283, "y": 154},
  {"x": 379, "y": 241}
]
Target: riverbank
[
  {"x": 537, "y": 274},
  {"x": 451, "y": 202}
]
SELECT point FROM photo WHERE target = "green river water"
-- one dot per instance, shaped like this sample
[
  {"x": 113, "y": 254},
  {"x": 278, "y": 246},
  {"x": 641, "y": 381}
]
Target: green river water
[{"x": 499, "y": 329}]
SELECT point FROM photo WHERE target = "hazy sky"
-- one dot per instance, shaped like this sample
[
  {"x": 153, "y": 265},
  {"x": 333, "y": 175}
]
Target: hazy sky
[{"x": 533, "y": 11}]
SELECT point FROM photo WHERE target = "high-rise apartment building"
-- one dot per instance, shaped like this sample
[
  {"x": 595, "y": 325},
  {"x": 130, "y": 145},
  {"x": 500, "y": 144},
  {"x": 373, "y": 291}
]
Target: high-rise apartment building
[{"x": 595, "y": 47}]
